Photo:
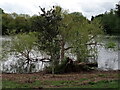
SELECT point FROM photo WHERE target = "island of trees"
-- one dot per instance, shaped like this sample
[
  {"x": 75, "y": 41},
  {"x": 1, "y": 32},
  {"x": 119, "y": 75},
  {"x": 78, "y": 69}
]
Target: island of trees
[{"x": 56, "y": 32}]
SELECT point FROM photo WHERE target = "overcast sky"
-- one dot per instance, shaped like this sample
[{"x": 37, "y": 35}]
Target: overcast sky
[{"x": 87, "y": 7}]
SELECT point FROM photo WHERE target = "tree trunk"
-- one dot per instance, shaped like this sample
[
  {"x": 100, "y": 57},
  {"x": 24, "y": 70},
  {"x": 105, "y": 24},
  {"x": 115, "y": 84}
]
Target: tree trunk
[
  {"x": 78, "y": 56},
  {"x": 28, "y": 63},
  {"x": 62, "y": 51},
  {"x": 53, "y": 66},
  {"x": 28, "y": 68}
]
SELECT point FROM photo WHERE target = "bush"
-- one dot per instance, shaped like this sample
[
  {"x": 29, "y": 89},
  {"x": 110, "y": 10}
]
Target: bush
[
  {"x": 66, "y": 67},
  {"x": 61, "y": 68},
  {"x": 110, "y": 45}
]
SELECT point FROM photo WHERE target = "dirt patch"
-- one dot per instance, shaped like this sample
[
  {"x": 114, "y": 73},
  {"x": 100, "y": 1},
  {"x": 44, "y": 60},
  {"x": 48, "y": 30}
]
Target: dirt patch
[{"x": 86, "y": 76}]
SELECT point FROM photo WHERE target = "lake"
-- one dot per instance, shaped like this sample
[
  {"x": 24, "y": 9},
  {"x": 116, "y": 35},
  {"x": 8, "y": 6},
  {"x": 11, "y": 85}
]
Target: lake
[{"x": 108, "y": 59}]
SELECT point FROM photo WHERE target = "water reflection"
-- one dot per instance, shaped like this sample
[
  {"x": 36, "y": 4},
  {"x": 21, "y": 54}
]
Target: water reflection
[{"x": 108, "y": 59}]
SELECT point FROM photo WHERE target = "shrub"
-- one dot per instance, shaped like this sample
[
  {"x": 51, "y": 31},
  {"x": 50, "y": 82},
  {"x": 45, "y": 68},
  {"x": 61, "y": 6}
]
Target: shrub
[
  {"x": 61, "y": 68},
  {"x": 66, "y": 67},
  {"x": 110, "y": 45}
]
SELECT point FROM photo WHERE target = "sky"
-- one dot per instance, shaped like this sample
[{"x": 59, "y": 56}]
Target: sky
[{"x": 87, "y": 7}]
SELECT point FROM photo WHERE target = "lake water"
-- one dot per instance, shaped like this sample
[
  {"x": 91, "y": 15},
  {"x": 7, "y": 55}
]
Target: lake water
[{"x": 108, "y": 59}]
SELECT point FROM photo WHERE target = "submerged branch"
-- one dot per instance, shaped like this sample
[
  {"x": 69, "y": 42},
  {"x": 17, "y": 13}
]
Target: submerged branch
[
  {"x": 42, "y": 60},
  {"x": 68, "y": 48}
]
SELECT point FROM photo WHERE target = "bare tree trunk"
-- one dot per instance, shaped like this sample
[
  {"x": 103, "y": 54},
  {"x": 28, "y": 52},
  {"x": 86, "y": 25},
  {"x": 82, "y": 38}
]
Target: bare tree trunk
[
  {"x": 62, "y": 51},
  {"x": 28, "y": 63},
  {"x": 78, "y": 57},
  {"x": 53, "y": 66},
  {"x": 28, "y": 68}
]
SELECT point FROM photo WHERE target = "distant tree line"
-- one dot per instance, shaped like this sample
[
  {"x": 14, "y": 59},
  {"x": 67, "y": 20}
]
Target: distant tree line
[
  {"x": 110, "y": 20},
  {"x": 16, "y": 23},
  {"x": 24, "y": 23}
]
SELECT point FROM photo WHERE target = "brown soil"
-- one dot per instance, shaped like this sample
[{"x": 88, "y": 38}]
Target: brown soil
[{"x": 89, "y": 76}]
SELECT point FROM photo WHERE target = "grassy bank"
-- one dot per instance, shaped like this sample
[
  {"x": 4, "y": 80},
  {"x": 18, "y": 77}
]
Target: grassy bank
[
  {"x": 62, "y": 84},
  {"x": 71, "y": 80}
]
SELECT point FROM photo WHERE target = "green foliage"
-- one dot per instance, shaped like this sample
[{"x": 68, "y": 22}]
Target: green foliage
[
  {"x": 19, "y": 23},
  {"x": 102, "y": 75},
  {"x": 66, "y": 67},
  {"x": 53, "y": 27},
  {"x": 60, "y": 68},
  {"x": 1, "y": 11},
  {"x": 110, "y": 21},
  {"x": 78, "y": 31},
  {"x": 118, "y": 9},
  {"x": 21, "y": 46},
  {"x": 23, "y": 42},
  {"x": 110, "y": 45},
  {"x": 47, "y": 25},
  {"x": 6, "y": 18},
  {"x": 63, "y": 84}
]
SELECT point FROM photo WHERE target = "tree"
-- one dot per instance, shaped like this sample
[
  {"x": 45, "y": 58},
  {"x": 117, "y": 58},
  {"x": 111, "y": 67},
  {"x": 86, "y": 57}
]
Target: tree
[
  {"x": 58, "y": 28},
  {"x": 22, "y": 46},
  {"x": 110, "y": 21},
  {"x": 118, "y": 9},
  {"x": 55, "y": 28},
  {"x": 14, "y": 15},
  {"x": 47, "y": 25},
  {"x": 78, "y": 33},
  {"x": 21, "y": 24},
  {"x": 1, "y": 11},
  {"x": 6, "y": 20},
  {"x": 15, "y": 22}
]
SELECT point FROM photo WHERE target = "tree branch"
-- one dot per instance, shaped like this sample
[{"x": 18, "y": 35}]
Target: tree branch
[
  {"x": 68, "y": 48},
  {"x": 92, "y": 37},
  {"x": 93, "y": 43},
  {"x": 42, "y": 60}
]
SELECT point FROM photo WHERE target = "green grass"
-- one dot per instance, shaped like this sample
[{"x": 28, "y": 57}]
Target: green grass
[
  {"x": 12, "y": 84},
  {"x": 82, "y": 79},
  {"x": 62, "y": 84},
  {"x": 100, "y": 84},
  {"x": 103, "y": 84},
  {"x": 102, "y": 75}
]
